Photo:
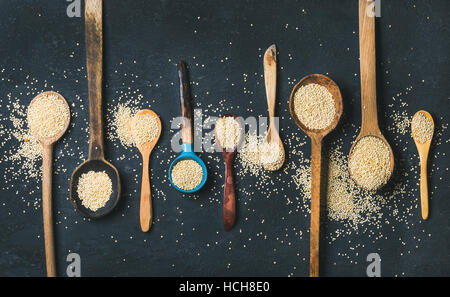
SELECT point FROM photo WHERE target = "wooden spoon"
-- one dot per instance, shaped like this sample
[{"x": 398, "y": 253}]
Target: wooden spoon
[
  {"x": 270, "y": 78},
  {"x": 146, "y": 196},
  {"x": 316, "y": 158},
  {"x": 47, "y": 212},
  {"x": 229, "y": 195},
  {"x": 369, "y": 123},
  {"x": 96, "y": 160},
  {"x": 423, "y": 149}
]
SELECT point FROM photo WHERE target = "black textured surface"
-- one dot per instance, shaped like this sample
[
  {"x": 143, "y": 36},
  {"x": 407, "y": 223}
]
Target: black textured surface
[{"x": 188, "y": 239}]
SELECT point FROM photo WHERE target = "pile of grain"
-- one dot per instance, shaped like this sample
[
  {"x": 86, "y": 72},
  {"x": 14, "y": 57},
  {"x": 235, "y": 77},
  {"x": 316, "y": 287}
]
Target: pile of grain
[
  {"x": 187, "y": 174},
  {"x": 257, "y": 154},
  {"x": 270, "y": 155},
  {"x": 228, "y": 132},
  {"x": 422, "y": 127},
  {"x": 369, "y": 163},
  {"x": 145, "y": 129},
  {"x": 48, "y": 115},
  {"x": 314, "y": 106},
  {"x": 346, "y": 202},
  {"x": 94, "y": 189},
  {"x": 121, "y": 122}
]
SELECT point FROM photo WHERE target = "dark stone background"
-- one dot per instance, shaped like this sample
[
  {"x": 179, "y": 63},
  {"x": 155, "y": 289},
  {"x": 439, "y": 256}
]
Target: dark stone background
[{"x": 38, "y": 37}]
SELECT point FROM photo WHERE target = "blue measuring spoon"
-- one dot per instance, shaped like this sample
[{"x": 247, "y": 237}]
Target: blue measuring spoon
[{"x": 187, "y": 138}]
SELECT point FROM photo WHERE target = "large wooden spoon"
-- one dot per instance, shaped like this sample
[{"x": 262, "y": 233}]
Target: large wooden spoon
[
  {"x": 270, "y": 78},
  {"x": 423, "y": 149},
  {"x": 369, "y": 123},
  {"x": 146, "y": 196},
  {"x": 47, "y": 210},
  {"x": 316, "y": 158},
  {"x": 96, "y": 160}
]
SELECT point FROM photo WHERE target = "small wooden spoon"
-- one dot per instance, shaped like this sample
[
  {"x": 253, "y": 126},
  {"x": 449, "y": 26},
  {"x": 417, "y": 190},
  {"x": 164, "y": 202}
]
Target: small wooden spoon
[
  {"x": 270, "y": 77},
  {"x": 96, "y": 160},
  {"x": 146, "y": 196},
  {"x": 229, "y": 195},
  {"x": 369, "y": 123},
  {"x": 423, "y": 149},
  {"x": 316, "y": 158},
  {"x": 47, "y": 157}
]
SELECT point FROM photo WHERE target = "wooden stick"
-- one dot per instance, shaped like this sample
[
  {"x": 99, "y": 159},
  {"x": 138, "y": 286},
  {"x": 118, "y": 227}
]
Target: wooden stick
[
  {"x": 146, "y": 196},
  {"x": 369, "y": 124},
  {"x": 424, "y": 186},
  {"x": 185, "y": 101},
  {"x": 316, "y": 163},
  {"x": 229, "y": 197},
  {"x": 94, "y": 64},
  {"x": 47, "y": 210}
]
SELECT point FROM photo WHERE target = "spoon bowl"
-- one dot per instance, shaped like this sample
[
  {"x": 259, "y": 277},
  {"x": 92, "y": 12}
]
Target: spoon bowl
[
  {"x": 316, "y": 136},
  {"x": 333, "y": 88},
  {"x": 146, "y": 209},
  {"x": 97, "y": 166},
  {"x": 391, "y": 156},
  {"x": 51, "y": 140},
  {"x": 188, "y": 154}
]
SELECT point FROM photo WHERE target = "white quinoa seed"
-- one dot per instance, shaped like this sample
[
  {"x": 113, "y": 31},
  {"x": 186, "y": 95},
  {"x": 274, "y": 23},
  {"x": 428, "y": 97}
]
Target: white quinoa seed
[
  {"x": 422, "y": 127},
  {"x": 145, "y": 129},
  {"x": 121, "y": 122},
  {"x": 187, "y": 174},
  {"x": 228, "y": 132},
  {"x": 94, "y": 189},
  {"x": 48, "y": 115},
  {"x": 370, "y": 163},
  {"x": 314, "y": 106}
]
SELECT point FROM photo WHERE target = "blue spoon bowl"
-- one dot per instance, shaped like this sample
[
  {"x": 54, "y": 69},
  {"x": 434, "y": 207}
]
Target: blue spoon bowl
[{"x": 188, "y": 154}]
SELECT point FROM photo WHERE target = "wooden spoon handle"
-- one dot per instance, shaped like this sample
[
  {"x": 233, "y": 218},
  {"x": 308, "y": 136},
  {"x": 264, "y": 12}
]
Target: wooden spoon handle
[
  {"x": 424, "y": 187},
  {"x": 229, "y": 197},
  {"x": 185, "y": 101},
  {"x": 369, "y": 124},
  {"x": 146, "y": 196},
  {"x": 270, "y": 78},
  {"x": 316, "y": 163},
  {"x": 94, "y": 64},
  {"x": 47, "y": 211}
]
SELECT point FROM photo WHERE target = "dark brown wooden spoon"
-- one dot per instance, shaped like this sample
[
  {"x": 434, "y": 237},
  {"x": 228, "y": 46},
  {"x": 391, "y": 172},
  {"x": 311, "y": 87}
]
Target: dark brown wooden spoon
[
  {"x": 229, "y": 195},
  {"x": 316, "y": 158},
  {"x": 96, "y": 160}
]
